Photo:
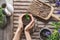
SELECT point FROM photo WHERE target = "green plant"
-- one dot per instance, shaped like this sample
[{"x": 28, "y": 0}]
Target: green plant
[
  {"x": 1, "y": 17},
  {"x": 56, "y": 33},
  {"x": 27, "y": 16}
]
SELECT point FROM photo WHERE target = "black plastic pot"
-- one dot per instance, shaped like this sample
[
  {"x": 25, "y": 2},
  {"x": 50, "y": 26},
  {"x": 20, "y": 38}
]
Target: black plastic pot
[{"x": 44, "y": 33}]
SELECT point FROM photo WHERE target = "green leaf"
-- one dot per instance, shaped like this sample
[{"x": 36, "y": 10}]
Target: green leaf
[
  {"x": 27, "y": 16},
  {"x": 1, "y": 17}
]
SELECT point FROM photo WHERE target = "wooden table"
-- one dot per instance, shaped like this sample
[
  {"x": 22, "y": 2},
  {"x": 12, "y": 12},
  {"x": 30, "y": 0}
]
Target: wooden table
[
  {"x": 6, "y": 33},
  {"x": 20, "y": 7}
]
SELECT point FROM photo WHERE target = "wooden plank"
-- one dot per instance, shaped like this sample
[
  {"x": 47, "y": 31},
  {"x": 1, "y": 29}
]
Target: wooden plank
[
  {"x": 17, "y": 3},
  {"x": 22, "y": 0},
  {"x": 8, "y": 31},
  {"x": 1, "y": 34}
]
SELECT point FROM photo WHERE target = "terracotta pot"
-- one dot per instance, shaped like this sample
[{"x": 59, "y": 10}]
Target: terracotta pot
[
  {"x": 44, "y": 33},
  {"x": 19, "y": 30},
  {"x": 29, "y": 27}
]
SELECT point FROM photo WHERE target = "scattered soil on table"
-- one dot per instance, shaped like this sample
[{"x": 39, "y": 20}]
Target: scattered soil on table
[
  {"x": 25, "y": 21},
  {"x": 39, "y": 9}
]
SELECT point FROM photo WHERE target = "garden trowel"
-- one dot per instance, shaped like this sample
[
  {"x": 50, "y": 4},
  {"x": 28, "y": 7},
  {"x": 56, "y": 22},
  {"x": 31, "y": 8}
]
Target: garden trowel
[{"x": 42, "y": 10}]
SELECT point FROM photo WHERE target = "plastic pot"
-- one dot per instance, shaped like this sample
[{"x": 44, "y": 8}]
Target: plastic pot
[{"x": 44, "y": 33}]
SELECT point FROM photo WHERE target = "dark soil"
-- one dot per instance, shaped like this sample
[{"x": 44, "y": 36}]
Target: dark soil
[
  {"x": 3, "y": 5},
  {"x": 25, "y": 21},
  {"x": 40, "y": 9},
  {"x": 42, "y": 34}
]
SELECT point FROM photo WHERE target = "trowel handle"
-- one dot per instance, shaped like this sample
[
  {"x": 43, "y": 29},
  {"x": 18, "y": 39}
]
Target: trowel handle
[{"x": 53, "y": 15}]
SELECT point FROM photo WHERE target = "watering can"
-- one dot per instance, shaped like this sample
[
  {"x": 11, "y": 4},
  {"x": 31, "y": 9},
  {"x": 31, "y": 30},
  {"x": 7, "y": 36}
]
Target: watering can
[{"x": 8, "y": 6}]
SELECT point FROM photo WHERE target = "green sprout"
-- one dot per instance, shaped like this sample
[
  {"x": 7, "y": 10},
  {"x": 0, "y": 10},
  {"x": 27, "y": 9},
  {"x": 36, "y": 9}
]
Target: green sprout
[{"x": 27, "y": 16}]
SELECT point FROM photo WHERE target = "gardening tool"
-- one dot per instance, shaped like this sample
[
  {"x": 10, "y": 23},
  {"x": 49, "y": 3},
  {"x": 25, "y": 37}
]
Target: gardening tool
[
  {"x": 19, "y": 30},
  {"x": 8, "y": 8},
  {"x": 7, "y": 12},
  {"x": 42, "y": 10}
]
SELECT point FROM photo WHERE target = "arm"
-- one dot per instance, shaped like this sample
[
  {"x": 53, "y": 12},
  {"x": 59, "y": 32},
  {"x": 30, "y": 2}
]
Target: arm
[
  {"x": 19, "y": 30},
  {"x": 28, "y": 28}
]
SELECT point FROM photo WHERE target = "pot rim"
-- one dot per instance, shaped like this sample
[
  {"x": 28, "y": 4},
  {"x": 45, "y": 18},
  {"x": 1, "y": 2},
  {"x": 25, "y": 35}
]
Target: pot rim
[{"x": 43, "y": 29}]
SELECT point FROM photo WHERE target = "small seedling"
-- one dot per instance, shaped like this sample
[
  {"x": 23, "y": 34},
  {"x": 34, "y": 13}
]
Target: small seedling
[{"x": 27, "y": 16}]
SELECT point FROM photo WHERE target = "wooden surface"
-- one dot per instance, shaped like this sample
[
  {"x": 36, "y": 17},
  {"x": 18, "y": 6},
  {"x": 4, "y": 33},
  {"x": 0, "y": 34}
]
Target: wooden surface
[
  {"x": 6, "y": 33},
  {"x": 21, "y": 7}
]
